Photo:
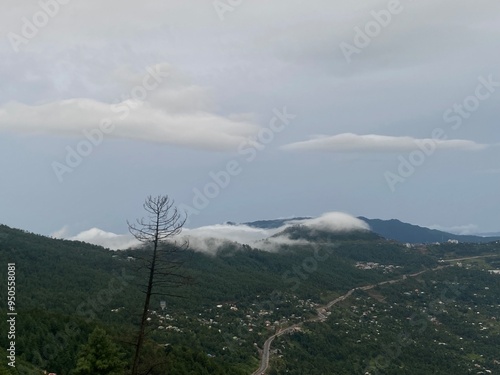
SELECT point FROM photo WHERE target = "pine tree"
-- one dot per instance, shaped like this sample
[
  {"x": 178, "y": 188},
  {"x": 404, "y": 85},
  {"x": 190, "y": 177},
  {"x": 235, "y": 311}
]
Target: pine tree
[{"x": 99, "y": 356}]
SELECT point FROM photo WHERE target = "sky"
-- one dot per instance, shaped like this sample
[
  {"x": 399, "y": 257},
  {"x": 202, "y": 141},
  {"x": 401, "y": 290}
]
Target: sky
[{"x": 244, "y": 110}]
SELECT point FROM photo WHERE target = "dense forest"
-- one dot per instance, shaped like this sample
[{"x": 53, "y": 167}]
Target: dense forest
[{"x": 73, "y": 297}]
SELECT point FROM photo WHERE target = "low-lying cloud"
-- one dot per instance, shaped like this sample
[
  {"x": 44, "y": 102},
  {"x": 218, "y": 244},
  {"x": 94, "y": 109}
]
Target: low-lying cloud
[
  {"x": 349, "y": 142},
  {"x": 100, "y": 237},
  {"x": 335, "y": 222},
  {"x": 209, "y": 239}
]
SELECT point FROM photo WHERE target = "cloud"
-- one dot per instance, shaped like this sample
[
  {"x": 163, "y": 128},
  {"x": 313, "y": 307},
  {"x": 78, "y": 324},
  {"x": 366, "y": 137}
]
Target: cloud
[
  {"x": 335, "y": 222},
  {"x": 205, "y": 238},
  {"x": 209, "y": 238},
  {"x": 99, "y": 237},
  {"x": 349, "y": 142},
  {"x": 174, "y": 112}
]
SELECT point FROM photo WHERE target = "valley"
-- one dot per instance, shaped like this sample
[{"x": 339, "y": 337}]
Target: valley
[{"x": 251, "y": 311}]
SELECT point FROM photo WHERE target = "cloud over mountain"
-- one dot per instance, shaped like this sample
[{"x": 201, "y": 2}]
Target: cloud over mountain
[
  {"x": 100, "y": 237},
  {"x": 209, "y": 238},
  {"x": 335, "y": 222}
]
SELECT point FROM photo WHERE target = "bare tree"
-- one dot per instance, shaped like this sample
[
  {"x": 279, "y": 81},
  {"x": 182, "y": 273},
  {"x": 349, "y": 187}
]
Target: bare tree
[{"x": 164, "y": 222}]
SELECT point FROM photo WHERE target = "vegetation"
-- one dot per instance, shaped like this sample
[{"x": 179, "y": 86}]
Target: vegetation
[
  {"x": 404, "y": 232},
  {"x": 439, "y": 323},
  {"x": 67, "y": 290},
  {"x": 99, "y": 356}
]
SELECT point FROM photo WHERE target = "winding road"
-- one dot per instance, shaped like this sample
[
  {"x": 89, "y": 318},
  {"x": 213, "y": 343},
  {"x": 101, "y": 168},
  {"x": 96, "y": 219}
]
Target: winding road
[
  {"x": 264, "y": 362},
  {"x": 321, "y": 311}
]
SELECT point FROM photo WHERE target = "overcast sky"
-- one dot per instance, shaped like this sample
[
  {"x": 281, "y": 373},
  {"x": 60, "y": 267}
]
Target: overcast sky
[{"x": 246, "y": 110}]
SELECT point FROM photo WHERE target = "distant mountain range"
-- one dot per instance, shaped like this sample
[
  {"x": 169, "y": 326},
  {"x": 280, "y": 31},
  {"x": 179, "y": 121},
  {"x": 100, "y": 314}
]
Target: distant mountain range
[{"x": 393, "y": 230}]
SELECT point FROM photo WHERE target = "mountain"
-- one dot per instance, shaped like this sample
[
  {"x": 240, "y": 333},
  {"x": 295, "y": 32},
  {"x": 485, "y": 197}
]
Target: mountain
[
  {"x": 393, "y": 230},
  {"x": 65, "y": 289},
  {"x": 409, "y": 233},
  {"x": 242, "y": 295},
  {"x": 299, "y": 232}
]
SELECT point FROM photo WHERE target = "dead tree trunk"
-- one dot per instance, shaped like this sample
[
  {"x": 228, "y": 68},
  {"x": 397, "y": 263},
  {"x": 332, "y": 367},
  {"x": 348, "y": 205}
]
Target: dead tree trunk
[{"x": 164, "y": 222}]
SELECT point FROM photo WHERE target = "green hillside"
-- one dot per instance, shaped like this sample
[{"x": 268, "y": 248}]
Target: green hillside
[{"x": 215, "y": 326}]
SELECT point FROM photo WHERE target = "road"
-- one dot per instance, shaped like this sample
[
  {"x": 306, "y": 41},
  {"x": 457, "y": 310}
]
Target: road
[
  {"x": 476, "y": 257},
  {"x": 321, "y": 311},
  {"x": 264, "y": 362}
]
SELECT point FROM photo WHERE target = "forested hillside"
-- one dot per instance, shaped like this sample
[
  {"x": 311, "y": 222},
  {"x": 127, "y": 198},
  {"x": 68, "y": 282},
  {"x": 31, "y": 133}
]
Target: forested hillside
[{"x": 241, "y": 295}]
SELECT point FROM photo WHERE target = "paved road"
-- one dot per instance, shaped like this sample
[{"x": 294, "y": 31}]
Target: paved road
[
  {"x": 476, "y": 257},
  {"x": 321, "y": 311},
  {"x": 264, "y": 362}
]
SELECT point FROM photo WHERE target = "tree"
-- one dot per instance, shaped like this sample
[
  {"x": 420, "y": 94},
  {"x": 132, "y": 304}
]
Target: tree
[
  {"x": 99, "y": 356},
  {"x": 164, "y": 222}
]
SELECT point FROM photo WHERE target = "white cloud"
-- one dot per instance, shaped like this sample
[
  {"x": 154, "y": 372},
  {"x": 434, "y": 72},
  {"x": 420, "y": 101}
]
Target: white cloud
[
  {"x": 335, "y": 222},
  {"x": 99, "y": 237},
  {"x": 349, "y": 142},
  {"x": 240, "y": 233},
  {"x": 209, "y": 238},
  {"x": 175, "y": 112},
  {"x": 205, "y": 239}
]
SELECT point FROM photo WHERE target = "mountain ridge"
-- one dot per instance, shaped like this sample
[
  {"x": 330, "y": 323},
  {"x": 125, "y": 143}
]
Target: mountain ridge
[
  {"x": 400, "y": 231},
  {"x": 392, "y": 229}
]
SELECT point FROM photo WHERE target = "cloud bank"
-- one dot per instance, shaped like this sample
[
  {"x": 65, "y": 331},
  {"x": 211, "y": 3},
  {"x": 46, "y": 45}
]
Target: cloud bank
[
  {"x": 209, "y": 238},
  {"x": 335, "y": 222},
  {"x": 157, "y": 106},
  {"x": 99, "y": 237},
  {"x": 349, "y": 142}
]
